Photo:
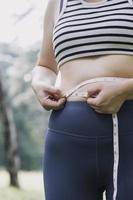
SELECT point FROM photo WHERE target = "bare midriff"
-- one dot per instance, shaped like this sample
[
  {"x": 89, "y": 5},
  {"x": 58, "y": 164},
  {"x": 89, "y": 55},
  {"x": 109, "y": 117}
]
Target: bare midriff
[{"x": 78, "y": 70}]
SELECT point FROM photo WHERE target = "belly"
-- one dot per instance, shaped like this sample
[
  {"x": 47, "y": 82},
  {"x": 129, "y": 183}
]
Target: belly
[{"x": 75, "y": 71}]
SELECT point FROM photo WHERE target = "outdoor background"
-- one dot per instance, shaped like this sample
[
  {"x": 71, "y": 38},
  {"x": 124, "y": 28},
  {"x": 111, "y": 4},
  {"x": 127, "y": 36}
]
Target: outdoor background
[{"x": 22, "y": 119}]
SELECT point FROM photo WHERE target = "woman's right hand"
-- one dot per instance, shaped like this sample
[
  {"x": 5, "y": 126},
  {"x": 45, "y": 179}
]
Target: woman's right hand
[{"x": 49, "y": 96}]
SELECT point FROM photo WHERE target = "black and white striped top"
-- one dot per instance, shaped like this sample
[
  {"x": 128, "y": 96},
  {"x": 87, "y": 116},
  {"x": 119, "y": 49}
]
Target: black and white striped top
[{"x": 85, "y": 29}]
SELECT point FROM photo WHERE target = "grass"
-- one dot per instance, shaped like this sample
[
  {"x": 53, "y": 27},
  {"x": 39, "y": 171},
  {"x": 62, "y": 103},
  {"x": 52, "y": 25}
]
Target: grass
[{"x": 31, "y": 184}]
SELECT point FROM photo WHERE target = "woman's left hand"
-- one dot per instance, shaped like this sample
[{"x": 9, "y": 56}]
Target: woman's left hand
[{"x": 106, "y": 97}]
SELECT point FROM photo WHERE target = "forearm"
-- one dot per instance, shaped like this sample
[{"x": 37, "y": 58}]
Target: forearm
[
  {"x": 128, "y": 88},
  {"x": 43, "y": 74}
]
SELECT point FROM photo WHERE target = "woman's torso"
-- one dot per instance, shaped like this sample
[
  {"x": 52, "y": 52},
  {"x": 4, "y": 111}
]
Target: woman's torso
[{"x": 77, "y": 70}]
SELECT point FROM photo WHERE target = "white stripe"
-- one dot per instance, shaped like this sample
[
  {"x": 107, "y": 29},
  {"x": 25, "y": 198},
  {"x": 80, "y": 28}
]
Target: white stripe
[
  {"x": 83, "y": 41},
  {"x": 97, "y": 25},
  {"x": 97, "y": 17},
  {"x": 85, "y": 19},
  {"x": 91, "y": 14},
  {"x": 93, "y": 32},
  {"x": 93, "y": 25}
]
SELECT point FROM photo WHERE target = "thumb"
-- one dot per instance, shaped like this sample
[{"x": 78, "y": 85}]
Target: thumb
[
  {"x": 93, "y": 91},
  {"x": 93, "y": 95},
  {"x": 92, "y": 100},
  {"x": 59, "y": 92}
]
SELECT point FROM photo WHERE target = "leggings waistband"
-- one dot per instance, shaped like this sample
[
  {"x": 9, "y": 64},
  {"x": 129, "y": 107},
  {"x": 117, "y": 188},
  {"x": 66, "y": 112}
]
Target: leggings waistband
[{"x": 115, "y": 125}]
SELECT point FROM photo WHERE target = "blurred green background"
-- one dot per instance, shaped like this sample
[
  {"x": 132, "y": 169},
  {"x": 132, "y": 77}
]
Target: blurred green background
[{"x": 23, "y": 121}]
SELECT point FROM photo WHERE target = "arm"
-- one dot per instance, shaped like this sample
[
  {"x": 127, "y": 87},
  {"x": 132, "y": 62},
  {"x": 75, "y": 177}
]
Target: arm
[
  {"x": 41, "y": 74},
  {"x": 44, "y": 74},
  {"x": 46, "y": 66}
]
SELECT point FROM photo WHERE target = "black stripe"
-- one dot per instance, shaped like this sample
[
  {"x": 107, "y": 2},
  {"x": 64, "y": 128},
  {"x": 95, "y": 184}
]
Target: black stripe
[
  {"x": 93, "y": 36},
  {"x": 120, "y": 14},
  {"x": 76, "y": 4},
  {"x": 107, "y": 20},
  {"x": 94, "y": 43},
  {"x": 88, "y": 13},
  {"x": 96, "y": 50},
  {"x": 61, "y": 5},
  {"x": 78, "y": 9},
  {"x": 95, "y": 28}
]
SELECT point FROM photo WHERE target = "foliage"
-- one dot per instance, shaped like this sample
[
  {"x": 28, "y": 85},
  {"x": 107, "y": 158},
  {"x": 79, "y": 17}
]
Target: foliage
[
  {"x": 16, "y": 63},
  {"x": 30, "y": 118}
]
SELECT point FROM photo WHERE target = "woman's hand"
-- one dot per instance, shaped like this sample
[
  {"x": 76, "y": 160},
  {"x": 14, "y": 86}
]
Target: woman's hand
[
  {"x": 106, "y": 97},
  {"x": 49, "y": 96}
]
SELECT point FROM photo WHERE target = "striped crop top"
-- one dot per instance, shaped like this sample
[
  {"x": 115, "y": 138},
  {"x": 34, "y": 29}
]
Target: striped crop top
[{"x": 93, "y": 28}]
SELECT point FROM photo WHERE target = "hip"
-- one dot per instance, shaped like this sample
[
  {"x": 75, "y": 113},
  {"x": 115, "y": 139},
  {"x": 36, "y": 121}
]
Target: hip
[{"x": 77, "y": 118}]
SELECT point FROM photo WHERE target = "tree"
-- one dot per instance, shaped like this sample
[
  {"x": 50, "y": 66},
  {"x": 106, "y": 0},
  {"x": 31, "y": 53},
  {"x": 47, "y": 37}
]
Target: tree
[{"x": 10, "y": 135}]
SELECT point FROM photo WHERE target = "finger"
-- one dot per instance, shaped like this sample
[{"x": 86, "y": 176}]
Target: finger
[
  {"x": 57, "y": 96},
  {"x": 60, "y": 105},
  {"x": 96, "y": 101},
  {"x": 94, "y": 90},
  {"x": 97, "y": 108},
  {"x": 52, "y": 103},
  {"x": 93, "y": 101},
  {"x": 60, "y": 92},
  {"x": 103, "y": 111},
  {"x": 60, "y": 102},
  {"x": 99, "y": 111},
  {"x": 94, "y": 107},
  {"x": 56, "y": 91},
  {"x": 45, "y": 103},
  {"x": 93, "y": 93}
]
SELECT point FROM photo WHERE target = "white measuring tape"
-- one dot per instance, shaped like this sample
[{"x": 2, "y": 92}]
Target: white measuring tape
[
  {"x": 116, "y": 153},
  {"x": 115, "y": 125}
]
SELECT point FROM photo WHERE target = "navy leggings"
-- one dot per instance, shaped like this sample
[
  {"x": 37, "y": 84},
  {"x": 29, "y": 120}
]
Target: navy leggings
[{"x": 78, "y": 153}]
